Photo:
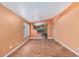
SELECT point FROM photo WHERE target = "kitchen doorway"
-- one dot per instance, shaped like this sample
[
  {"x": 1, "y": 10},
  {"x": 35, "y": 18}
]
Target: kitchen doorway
[{"x": 41, "y": 29}]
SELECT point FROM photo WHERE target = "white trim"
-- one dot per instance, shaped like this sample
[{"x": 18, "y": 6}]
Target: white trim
[
  {"x": 28, "y": 39},
  {"x": 67, "y": 47},
  {"x": 50, "y": 37},
  {"x": 35, "y": 37},
  {"x": 16, "y": 48},
  {"x": 41, "y": 38}
]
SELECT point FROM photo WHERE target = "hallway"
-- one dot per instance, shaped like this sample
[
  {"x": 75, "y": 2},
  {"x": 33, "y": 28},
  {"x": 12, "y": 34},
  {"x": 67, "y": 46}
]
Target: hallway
[
  {"x": 42, "y": 48},
  {"x": 47, "y": 25}
]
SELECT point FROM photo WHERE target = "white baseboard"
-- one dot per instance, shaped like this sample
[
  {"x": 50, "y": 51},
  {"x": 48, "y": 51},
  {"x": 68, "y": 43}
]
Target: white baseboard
[
  {"x": 50, "y": 37},
  {"x": 16, "y": 48},
  {"x": 35, "y": 37},
  {"x": 28, "y": 39},
  {"x": 67, "y": 47},
  {"x": 41, "y": 37}
]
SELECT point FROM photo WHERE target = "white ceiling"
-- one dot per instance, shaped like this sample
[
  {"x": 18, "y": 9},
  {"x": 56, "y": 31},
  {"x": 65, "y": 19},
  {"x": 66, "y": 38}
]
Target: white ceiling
[{"x": 33, "y": 11}]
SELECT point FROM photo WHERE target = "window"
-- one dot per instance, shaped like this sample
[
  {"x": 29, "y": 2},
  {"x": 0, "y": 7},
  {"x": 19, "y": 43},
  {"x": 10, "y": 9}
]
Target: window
[{"x": 26, "y": 29}]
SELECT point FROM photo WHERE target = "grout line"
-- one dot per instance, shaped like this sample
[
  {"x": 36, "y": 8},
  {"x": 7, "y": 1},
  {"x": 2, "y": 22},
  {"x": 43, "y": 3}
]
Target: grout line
[
  {"x": 68, "y": 47},
  {"x": 16, "y": 48}
]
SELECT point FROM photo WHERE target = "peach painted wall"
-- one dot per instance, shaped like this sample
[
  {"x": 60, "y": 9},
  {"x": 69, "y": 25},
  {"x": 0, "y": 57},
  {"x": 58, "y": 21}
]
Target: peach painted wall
[
  {"x": 67, "y": 10},
  {"x": 32, "y": 32},
  {"x": 49, "y": 28},
  {"x": 11, "y": 30},
  {"x": 67, "y": 28}
]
